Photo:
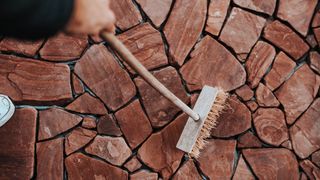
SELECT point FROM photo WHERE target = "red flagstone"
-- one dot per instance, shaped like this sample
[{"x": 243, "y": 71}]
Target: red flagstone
[
  {"x": 258, "y": 5},
  {"x": 312, "y": 171},
  {"x": 245, "y": 93},
  {"x": 133, "y": 164},
  {"x": 248, "y": 140},
  {"x": 127, "y": 15},
  {"x": 87, "y": 104},
  {"x": 216, "y": 16},
  {"x": 265, "y": 97},
  {"x": 77, "y": 85},
  {"x": 242, "y": 171},
  {"x": 108, "y": 126},
  {"x": 315, "y": 61},
  {"x": 28, "y": 48},
  {"x": 188, "y": 171},
  {"x": 89, "y": 122},
  {"x": 144, "y": 175},
  {"x": 78, "y": 138}
]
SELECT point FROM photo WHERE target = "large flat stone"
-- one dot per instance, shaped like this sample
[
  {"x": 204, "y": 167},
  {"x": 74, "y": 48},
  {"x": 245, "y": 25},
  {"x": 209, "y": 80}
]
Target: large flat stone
[
  {"x": 249, "y": 140},
  {"x": 87, "y": 104},
  {"x": 28, "y": 48},
  {"x": 108, "y": 126},
  {"x": 216, "y": 16},
  {"x": 262, "y": 6},
  {"x": 126, "y": 13},
  {"x": 265, "y": 97}
]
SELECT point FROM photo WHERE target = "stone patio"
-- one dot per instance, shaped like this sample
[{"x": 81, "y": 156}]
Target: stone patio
[{"x": 84, "y": 114}]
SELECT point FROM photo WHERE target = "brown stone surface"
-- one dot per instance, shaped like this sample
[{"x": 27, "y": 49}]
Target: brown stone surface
[
  {"x": 108, "y": 126},
  {"x": 89, "y": 122},
  {"x": 163, "y": 144},
  {"x": 270, "y": 125},
  {"x": 298, "y": 92},
  {"x": 311, "y": 39},
  {"x": 188, "y": 171},
  {"x": 212, "y": 64},
  {"x": 242, "y": 171},
  {"x": 245, "y": 93},
  {"x": 112, "y": 149},
  {"x": 189, "y": 29},
  {"x": 312, "y": 171},
  {"x": 64, "y": 47},
  {"x": 34, "y": 82},
  {"x": 133, "y": 164},
  {"x": 80, "y": 166},
  {"x": 252, "y": 105},
  {"x": 298, "y": 13},
  {"x": 17, "y": 149},
  {"x": 316, "y": 32},
  {"x": 144, "y": 175},
  {"x": 282, "y": 67},
  {"x": 265, "y": 97},
  {"x": 54, "y": 121},
  {"x": 258, "y": 5},
  {"x": 271, "y": 163},
  {"x": 241, "y": 31},
  {"x": 28, "y": 48},
  {"x": 127, "y": 14},
  {"x": 258, "y": 62},
  {"x": 98, "y": 69},
  {"x": 217, "y": 159},
  {"x": 157, "y": 11},
  {"x": 78, "y": 138},
  {"x": 134, "y": 124},
  {"x": 248, "y": 140},
  {"x": 316, "y": 19},
  {"x": 286, "y": 39},
  {"x": 216, "y": 16},
  {"x": 315, "y": 61},
  {"x": 146, "y": 45},
  {"x": 234, "y": 120},
  {"x": 77, "y": 85},
  {"x": 160, "y": 110},
  {"x": 305, "y": 132},
  {"x": 287, "y": 144},
  {"x": 87, "y": 104},
  {"x": 50, "y": 159},
  {"x": 316, "y": 158}
]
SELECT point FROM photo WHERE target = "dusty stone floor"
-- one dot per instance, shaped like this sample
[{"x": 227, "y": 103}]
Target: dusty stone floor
[{"x": 84, "y": 114}]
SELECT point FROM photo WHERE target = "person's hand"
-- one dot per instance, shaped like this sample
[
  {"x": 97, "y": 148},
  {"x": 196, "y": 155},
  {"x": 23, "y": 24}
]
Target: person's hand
[{"x": 91, "y": 17}]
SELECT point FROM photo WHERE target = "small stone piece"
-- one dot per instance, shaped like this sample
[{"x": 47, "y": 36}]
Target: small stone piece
[
  {"x": 133, "y": 164},
  {"x": 80, "y": 166},
  {"x": 217, "y": 13},
  {"x": 248, "y": 140},
  {"x": 108, "y": 126},
  {"x": 86, "y": 104},
  {"x": 315, "y": 61},
  {"x": 282, "y": 67},
  {"x": 298, "y": 92},
  {"x": 312, "y": 171},
  {"x": 50, "y": 159},
  {"x": 258, "y": 5},
  {"x": 270, "y": 125},
  {"x": 160, "y": 110},
  {"x": 63, "y": 47},
  {"x": 189, "y": 29},
  {"x": 242, "y": 171},
  {"x": 272, "y": 163},
  {"x": 212, "y": 64},
  {"x": 28, "y": 48},
  {"x": 286, "y": 39},
  {"x": 245, "y": 93},
  {"x": 77, "y": 85},
  {"x": 316, "y": 158},
  {"x": 144, "y": 175},
  {"x": 241, "y": 31},
  {"x": 287, "y": 144},
  {"x": 89, "y": 122},
  {"x": 252, "y": 105},
  {"x": 265, "y": 97},
  {"x": 311, "y": 39},
  {"x": 188, "y": 171},
  {"x": 298, "y": 13},
  {"x": 305, "y": 132},
  {"x": 54, "y": 121},
  {"x": 112, "y": 149},
  {"x": 77, "y": 139}
]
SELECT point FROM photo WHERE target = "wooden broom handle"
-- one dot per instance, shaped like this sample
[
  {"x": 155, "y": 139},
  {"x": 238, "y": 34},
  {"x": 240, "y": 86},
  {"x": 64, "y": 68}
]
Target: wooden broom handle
[{"x": 129, "y": 58}]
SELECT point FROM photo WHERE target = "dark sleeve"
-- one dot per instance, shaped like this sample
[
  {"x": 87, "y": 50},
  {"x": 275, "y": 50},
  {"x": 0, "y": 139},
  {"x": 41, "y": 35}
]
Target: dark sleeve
[{"x": 33, "y": 19}]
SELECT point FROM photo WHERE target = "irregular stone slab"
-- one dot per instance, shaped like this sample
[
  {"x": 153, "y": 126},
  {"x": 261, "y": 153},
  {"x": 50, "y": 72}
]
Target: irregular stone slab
[
  {"x": 282, "y": 67},
  {"x": 270, "y": 125},
  {"x": 287, "y": 144},
  {"x": 248, "y": 140},
  {"x": 286, "y": 39},
  {"x": 233, "y": 120},
  {"x": 134, "y": 124},
  {"x": 212, "y": 64},
  {"x": 98, "y": 69},
  {"x": 315, "y": 61},
  {"x": 188, "y": 171},
  {"x": 77, "y": 139},
  {"x": 265, "y": 97},
  {"x": 241, "y": 31},
  {"x": 28, "y": 48},
  {"x": 245, "y": 93},
  {"x": 242, "y": 171},
  {"x": 89, "y": 122},
  {"x": 126, "y": 13},
  {"x": 34, "y": 82},
  {"x": 133, "y": 164},
  {"x": 258, "y": 5},
  {"x": 17, "y": 149},
  {"x": 316, "y": 158},
  {"x": 190, "y": 29},
  {"x": 55, "y": 121},
  {"x": 144, "y": 175},
  {"x": 252, "y": 105},
  {"x": 316, "y": 19},
  {"x": 108, "y": 126},
  {"x": 146, "y": 45},
  {"x": 259, "y": 61},
  {"x": 77, "y": 85},
  {"x": 64, "y": 47},
  {"x": 305, "y": 132},
  {"x": 311, "y": 40},
  {"x": 157, "y": 11},
  {"x": 271, "y": 163},
  {"x": 86, "y": 104},
  {"x": 50, "y": 159},
  {"x": 160, "y": 110},
  {"x": 312, "y": 171},
  {"x": 217, "y": 159},
  {"x": 216, "y": 16},
  {"x": 80, "y": 166},
  {"x": 163, "y": 144},
  {"x": 112, "y": 149},
  {"x": 298, "y": 92},
  {"x": 297, "y": 13}
]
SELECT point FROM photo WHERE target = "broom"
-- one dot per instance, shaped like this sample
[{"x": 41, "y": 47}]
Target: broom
[{"x": 202, "y": 118}]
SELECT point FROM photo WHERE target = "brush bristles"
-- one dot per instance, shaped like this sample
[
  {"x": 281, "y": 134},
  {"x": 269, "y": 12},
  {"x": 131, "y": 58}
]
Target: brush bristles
[{"x": 209, "y": 123}]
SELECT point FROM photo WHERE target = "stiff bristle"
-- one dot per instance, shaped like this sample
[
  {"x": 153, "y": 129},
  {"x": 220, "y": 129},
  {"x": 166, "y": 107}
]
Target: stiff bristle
[{"x": 209, "y": 123}]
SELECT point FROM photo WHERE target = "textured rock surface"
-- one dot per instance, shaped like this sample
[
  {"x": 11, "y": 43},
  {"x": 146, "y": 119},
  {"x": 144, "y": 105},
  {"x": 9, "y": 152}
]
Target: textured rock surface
[
  {"x": 188, "y": 171},
  {"x": 310, "y": 169},
  {"x": 252, "y": 105},
  {"x": 87, "y": 104},
  {"x": 316, "y": 158},
  {"x": 298, "y": 92},
  {"x": 89, "y": 122},
  {"x": 216, "y": 16},
  {"x": 212, "y": 64},
  {"x": 311, "y": 39},
  {"x": 78, "y": 138},
  {"x": 242, "y": 171},
  {"x": 258, "y": 5},
  {"x": 316, "y": 19},
  {"x": 315, "y": 61},
  {"x": 248, "y": 140},
  {"x": 265, "y": 97},
  {"x": 286, "y": 39},
  {"x": 133, "y": 164},
  {"x": 28, "y": 48},
  {"x": 144, "y": 175},
  {"x": 160, "y": 110},
  {"x": 77, "y": 85},
  {"x": 108, "y": 126},
  {"x": 287, "y": 144},
  {"x": 245, "y": 93},
  {"x": 190, "y": 28}
]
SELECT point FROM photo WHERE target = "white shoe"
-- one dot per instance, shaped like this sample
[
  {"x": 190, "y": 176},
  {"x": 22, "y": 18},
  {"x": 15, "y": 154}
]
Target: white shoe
[{"x": 6, "y": 109}]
